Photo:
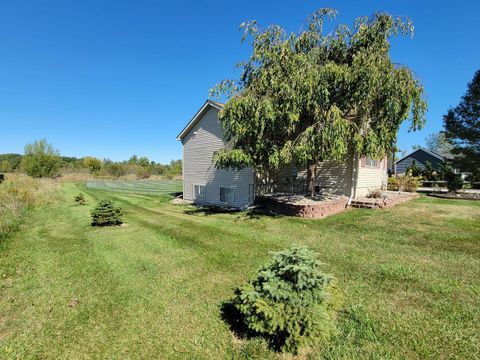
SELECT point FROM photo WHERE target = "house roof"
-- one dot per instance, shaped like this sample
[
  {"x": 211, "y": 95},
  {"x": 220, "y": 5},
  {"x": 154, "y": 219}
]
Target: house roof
[
  {"x": 430, "y": 152},
  {"x": 196, "y": 118}
]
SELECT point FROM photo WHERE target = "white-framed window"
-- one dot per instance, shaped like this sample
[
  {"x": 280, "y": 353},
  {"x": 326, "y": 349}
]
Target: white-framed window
[
  {"x": 251, "y": 193},
  {"x": 370, "y": 162},
  {"x": 227, "y": 195},
  {"x": 200, "y": 192}
]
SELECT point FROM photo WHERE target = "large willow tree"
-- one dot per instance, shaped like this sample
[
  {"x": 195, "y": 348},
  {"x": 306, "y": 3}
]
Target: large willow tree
[{"x": 308, "y": 97}]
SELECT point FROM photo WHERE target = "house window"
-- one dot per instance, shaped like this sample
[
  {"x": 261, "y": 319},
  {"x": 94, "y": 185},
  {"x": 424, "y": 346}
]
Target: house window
[
  {"x": 251, "y": 193},
  {"x": 369, "y": 162},
  {"x": 200, "y": 193},
  {"x": 227, "y": 195}
]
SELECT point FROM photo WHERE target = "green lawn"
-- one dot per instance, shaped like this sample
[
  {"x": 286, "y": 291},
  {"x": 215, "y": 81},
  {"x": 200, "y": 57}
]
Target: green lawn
[{"x": 152, "y": 289}]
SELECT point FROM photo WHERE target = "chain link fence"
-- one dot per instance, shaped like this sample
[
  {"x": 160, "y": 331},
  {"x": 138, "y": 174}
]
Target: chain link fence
[{"x": 153, "y": 187}]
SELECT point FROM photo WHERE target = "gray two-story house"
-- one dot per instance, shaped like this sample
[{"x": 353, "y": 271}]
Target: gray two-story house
[
  {"x": 419, "y": 157},
  {"x": 203, "y": 183}
]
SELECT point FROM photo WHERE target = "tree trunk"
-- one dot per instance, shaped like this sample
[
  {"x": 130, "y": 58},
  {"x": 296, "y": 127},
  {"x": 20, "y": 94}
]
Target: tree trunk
[{"x": 311, "y": 169}]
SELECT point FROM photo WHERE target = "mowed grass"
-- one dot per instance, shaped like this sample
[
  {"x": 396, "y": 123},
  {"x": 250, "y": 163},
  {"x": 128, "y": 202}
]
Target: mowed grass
[{"x": 152, "y": 289}]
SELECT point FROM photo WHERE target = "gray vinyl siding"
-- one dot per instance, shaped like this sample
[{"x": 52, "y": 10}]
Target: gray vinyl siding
[
  {"x": 333, "y": 177},
  {"x": 336, "y": 177},
  {"x": 199, "y": 147},
  {"x": 205, "y": 138},
  {"x": 420, "y": 157}
]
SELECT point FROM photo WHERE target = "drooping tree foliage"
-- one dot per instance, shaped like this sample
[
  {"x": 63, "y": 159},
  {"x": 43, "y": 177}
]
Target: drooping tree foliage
[
  {"x": 309, "y": 96},
  {"x": 462, "y": 129}
]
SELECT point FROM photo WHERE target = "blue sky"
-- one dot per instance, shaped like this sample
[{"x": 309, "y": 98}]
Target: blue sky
[{"x": 113, "y": 78}]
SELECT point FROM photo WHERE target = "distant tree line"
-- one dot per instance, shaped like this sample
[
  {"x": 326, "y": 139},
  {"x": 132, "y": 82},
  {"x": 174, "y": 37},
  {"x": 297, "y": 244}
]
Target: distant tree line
[
  {"x": 9, "y": 162},
  {"x": 41, "y": 159}
]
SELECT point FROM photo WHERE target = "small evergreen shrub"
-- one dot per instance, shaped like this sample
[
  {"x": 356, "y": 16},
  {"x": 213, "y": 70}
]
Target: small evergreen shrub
[
  {"x": 454, "y": 181},
  {"x": 429, "y": 173},
  {"x": 291, "y": 301},
  {"x": 443, "y": 169},
  {"x": 79, "y": 199},
  {"x": 106, "y": 214}
]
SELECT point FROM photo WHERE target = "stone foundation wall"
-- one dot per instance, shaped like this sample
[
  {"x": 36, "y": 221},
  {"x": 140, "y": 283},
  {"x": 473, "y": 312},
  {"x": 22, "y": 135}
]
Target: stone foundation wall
[
  {"x": 320, "y": 209},
  {"x": 382, "y": 203},
  {"x": 310, "y": 211}
]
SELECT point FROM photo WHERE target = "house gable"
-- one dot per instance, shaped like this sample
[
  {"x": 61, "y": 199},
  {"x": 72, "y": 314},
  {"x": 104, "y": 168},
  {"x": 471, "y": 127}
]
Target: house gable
[
  {"x": 420, "y": 156},
  {"x": 419, "y": 153},
  {"x": 198, "y": 116},
  {"x": 203, "y": 182}
]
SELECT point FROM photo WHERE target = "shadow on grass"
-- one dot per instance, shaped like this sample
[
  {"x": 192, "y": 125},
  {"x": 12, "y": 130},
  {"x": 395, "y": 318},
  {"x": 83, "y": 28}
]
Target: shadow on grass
[
  {"x": 261, "y": 211},
  {"x": 210, "y": 210},
  {"x": 236, "y": 323},
  {"x": 253, "y": 213}
]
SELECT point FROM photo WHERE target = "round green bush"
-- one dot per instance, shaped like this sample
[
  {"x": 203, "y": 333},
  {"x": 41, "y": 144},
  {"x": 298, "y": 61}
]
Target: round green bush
[
  {"x": 291, "y": 301},
  {"x": 106, "y": 214}
]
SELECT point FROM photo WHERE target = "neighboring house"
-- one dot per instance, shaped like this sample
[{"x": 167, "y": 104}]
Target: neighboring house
[
  {"x": 203, "y": 183},
  {"x": 420, "y": 157}
]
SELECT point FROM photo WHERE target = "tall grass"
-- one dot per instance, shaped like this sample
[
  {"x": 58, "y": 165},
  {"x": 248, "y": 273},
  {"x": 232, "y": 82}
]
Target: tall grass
[{"x": 18, "y": 193}]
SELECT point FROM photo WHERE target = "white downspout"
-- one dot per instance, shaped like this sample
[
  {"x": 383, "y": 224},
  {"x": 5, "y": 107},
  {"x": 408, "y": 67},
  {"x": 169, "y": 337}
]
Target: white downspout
[{"x": 353, "y": 190}]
